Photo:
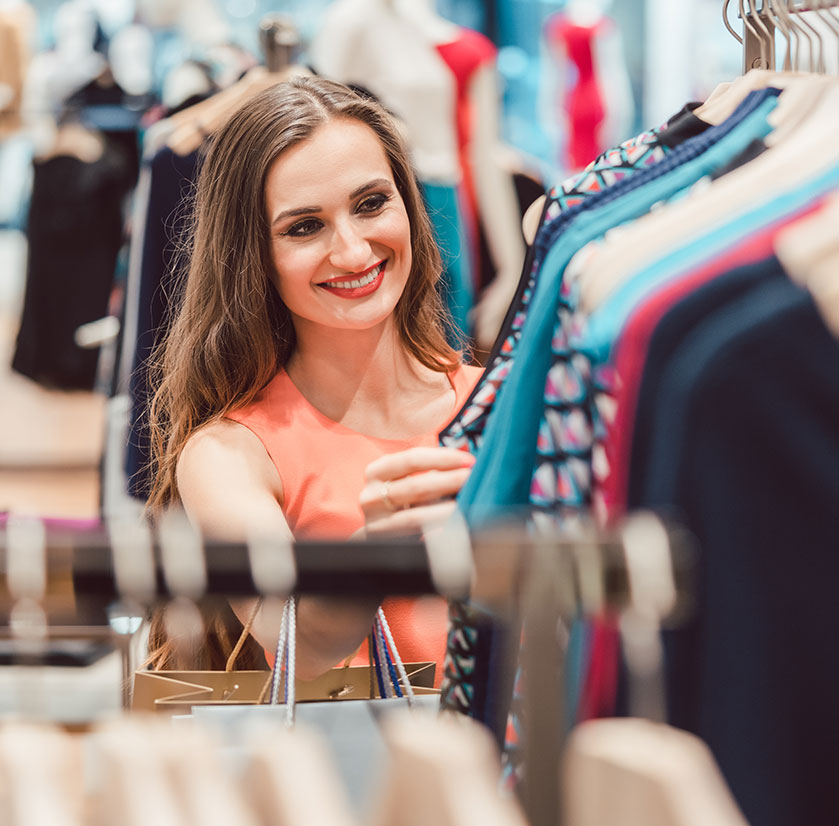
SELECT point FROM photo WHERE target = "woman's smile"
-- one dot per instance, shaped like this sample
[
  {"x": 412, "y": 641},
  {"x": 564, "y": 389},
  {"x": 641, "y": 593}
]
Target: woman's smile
[{"x": 362, "y": 284}]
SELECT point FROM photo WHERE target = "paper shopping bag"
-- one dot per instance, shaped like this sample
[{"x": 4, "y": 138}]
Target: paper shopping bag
[{"x": 178, "y": 691}]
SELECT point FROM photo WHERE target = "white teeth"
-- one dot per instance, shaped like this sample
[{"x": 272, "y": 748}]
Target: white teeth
[{"x": 360, "y": 282}]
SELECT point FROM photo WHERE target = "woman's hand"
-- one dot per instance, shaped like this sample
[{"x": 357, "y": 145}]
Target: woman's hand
[{"x": 410, "y": 489}]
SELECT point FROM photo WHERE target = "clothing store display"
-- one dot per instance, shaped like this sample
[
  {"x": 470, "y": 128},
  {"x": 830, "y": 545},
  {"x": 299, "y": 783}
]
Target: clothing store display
[
  {"x": 466, "y": 430},
  {"x": 75, "y": 233},
  {"x": 776, "y": 434},
  {"x": 464, "y": 56},
  {"x": 587, "y": 78},
  {"x": 630, "y": 589},
  {"x": 456, "y": 284},
  {"x": 158, "y": 282},
  {"x": 586, "y": 341},
  {"x": 321, "y": 465},
  {"x": 585, "y": 107},
  {"x": 17, "y": 28}
]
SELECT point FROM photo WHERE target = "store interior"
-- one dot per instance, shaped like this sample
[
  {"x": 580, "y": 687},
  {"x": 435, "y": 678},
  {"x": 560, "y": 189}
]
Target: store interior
[{"x": 636, "y": 204}]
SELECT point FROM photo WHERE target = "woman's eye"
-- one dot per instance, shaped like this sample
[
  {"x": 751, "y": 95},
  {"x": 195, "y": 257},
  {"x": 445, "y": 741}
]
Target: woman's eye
[
  {"x": 308, "y": 226},
  {"x": 373, "y": 203}
]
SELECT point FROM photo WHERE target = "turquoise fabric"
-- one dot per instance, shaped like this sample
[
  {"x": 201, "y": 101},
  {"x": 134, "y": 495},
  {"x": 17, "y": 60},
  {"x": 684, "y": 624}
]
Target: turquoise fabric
[
  {"x": 501, "y": 477},
  {"x": 442, "y": 203},
  {"x": 605, "y": 323}
]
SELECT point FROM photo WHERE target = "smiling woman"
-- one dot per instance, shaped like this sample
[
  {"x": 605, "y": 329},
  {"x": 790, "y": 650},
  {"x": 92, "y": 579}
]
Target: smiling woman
[
  {"x": 306, "y": 377},
  {"x": 352, "y": 241}
]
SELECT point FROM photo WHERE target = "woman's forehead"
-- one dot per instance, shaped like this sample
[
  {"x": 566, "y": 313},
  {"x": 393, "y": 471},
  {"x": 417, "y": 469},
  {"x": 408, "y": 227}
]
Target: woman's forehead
[{"x": 340, "y": 154}]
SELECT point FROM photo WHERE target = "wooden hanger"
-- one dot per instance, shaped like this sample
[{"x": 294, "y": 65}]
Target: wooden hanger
[
  {"x": 194, "y": 124},
  {"x": 639, "y": 773},
  {"x": 292, "y": 780},
  {"x": 135, "y": 780},
  {"x": 809, "y": 252},
  {"x": 442, "y": 770},
  {"x": 210, "y": 796},
  {"x": 807, "y": 152},
  {"x": 40, "y": 777},
  {"x": 721, "y": 104}
]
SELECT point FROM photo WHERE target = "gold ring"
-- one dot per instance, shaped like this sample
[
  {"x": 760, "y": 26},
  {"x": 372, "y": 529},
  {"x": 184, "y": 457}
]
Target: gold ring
[{"x": 386, "y": 500}]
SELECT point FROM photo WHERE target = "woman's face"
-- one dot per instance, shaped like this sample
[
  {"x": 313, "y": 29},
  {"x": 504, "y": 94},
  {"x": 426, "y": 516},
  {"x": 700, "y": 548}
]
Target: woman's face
[{"x": 340, "y": 234}]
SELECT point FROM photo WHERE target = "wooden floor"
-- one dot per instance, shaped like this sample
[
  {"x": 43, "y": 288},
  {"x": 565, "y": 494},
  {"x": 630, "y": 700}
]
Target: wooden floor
[{"x": 50, "y": 441}]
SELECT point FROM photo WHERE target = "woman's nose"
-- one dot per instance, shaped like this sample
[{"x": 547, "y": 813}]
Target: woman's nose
[{"x": 350, "y": 249}]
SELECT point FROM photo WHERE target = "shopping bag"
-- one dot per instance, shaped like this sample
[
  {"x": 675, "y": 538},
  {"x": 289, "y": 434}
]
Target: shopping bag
[{"x": 178, "y": 691}]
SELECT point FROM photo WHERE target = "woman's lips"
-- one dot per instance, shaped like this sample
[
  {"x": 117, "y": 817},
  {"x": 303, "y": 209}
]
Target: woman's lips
[{"x": 358, "y": 287}]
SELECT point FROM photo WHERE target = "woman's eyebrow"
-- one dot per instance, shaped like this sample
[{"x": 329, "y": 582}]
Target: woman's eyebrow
[
  {"x": 379, "y": 182},
  {"x": 310, "y": 210}
]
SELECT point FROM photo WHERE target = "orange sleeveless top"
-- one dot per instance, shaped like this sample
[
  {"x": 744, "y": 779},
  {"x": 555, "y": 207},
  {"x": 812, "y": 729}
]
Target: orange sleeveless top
[{"x": 321, "y": 465}]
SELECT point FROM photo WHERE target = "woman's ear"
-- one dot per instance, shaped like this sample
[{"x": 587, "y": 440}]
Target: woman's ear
[{"x": 530, "y": 221}]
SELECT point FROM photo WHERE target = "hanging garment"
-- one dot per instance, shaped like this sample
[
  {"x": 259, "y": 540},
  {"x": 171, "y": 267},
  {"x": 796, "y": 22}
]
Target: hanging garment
[
  {"x": 745, "y": 450},
  {"x": 163, "y": 261},
  {"x": 643, "y": 332},
  {"x": 600, "y": 691},
  {"x": 640, "y": 338},
  {"x": 321, "y": 464},
  {"x": 614, "y": 165},
  {"x": 74, "y": 233},
  {"x": 511, "y": 460},
  {"x": 471, "y": 629},
  {"x": 501, "y": 477},
  {"x": 456, "y": 288},
  {"x": 464, "y": 56},
  {"x": 600, "y": 330}
]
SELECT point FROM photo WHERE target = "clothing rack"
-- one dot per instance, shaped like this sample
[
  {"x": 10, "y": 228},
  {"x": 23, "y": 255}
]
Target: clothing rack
[
  {"x": 56, "y": 566},
  {"x": 762, "y": 18},
  {"x": 96, "y": 585}
]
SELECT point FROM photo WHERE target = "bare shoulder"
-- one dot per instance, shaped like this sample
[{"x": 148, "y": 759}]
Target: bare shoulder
[
  {"x": 225, "y": 477},
  {"x": 225, "y": 446}
]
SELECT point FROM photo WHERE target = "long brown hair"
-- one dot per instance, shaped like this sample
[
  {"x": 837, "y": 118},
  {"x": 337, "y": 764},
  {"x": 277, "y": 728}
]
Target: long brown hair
[{"x": 232, "y": 332}]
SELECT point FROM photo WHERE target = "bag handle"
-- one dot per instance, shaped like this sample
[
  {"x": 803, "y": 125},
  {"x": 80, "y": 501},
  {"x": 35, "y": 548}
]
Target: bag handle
[
  {"x": 385, "y": 656},
  {"x": 234, "y": 654}
]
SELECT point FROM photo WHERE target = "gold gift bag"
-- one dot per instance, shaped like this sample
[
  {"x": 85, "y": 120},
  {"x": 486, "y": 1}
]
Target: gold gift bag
[{"x": 177, "y": 691}]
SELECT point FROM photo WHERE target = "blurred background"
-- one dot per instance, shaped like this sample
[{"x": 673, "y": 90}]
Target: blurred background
[{"x": 83, "y": 84}]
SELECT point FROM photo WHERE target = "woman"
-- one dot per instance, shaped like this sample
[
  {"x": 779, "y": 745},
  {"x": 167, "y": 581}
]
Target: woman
[{"x": 307, "y": 374}]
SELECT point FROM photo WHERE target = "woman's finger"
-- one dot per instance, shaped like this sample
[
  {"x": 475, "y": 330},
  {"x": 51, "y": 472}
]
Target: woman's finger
[
  {"x": 416, "y": 460},
  {"x": 411, "y": 520},
  {"x": 409, "y": 491}
]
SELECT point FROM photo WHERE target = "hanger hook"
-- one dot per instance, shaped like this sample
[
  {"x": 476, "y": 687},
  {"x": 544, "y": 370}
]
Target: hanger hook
[
  {"x": 818, "y": 8},
  {"x": 832, "y": 19},
  {"x": 782, "y": 11},
  {"x": 728, "y": 25},
  {"x": 747, "y": 24},
  {"x": 805, "y": 29},
  {"x": 766, "y": 37},
  {"x": 781, "y": 23}
]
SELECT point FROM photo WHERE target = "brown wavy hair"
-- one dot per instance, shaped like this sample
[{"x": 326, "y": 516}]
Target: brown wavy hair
[{"x": 232, "y": 332}]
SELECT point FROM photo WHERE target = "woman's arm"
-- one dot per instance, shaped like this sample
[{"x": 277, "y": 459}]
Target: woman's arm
[{"x": 231, "y": 490}]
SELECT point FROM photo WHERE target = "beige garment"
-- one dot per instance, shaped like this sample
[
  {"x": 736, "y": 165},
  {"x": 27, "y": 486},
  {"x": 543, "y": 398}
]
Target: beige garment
[{"x": 16, "y": 27}]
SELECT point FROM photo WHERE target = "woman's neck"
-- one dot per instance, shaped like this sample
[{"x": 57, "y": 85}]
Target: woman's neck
[{"x": 350, "y": 372}]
